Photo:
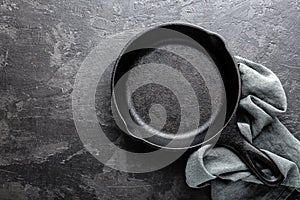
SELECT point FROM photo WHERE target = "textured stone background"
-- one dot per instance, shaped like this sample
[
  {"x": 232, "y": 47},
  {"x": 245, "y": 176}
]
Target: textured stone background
[{"x": 43, "y": 43}]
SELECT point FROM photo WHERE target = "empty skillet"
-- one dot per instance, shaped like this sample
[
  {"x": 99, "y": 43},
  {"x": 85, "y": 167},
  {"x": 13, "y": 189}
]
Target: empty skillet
[{"x": 176, "y": 86}]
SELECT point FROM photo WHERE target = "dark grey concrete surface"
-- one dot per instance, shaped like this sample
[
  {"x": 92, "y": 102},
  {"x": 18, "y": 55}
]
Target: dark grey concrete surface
[{"x": 43, "y": 43}]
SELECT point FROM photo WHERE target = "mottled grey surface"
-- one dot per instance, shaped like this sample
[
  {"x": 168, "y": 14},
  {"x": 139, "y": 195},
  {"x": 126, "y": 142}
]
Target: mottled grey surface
[{"x": 43, "y": 43}]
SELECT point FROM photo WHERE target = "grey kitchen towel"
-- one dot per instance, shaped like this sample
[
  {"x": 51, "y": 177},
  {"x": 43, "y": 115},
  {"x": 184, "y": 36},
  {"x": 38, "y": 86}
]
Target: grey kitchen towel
[{"x": 263, "y": 99}]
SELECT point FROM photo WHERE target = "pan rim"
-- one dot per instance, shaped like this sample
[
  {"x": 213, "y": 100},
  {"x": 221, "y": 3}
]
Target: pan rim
[{"x": 183, "y": 25}]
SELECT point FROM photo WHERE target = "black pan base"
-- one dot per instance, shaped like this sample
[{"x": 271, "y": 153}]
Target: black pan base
[{"x": 163, "y": 52}]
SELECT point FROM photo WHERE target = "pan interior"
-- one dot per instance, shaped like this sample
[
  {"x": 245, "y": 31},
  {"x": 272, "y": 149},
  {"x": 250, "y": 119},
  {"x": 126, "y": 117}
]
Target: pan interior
[{"x": 174, "y": 91}]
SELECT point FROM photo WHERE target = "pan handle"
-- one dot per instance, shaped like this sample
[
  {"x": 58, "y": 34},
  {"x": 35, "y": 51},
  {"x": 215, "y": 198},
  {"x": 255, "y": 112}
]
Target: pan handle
[{"x": 256, "y": 160}]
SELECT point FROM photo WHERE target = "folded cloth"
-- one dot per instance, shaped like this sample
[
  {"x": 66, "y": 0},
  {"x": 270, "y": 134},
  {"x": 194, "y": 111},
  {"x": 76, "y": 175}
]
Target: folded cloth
[{"x": 263, "y": 98}]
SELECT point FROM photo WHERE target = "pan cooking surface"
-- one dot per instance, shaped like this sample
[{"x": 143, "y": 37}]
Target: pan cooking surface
[{"x": 170, "y": 86}]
